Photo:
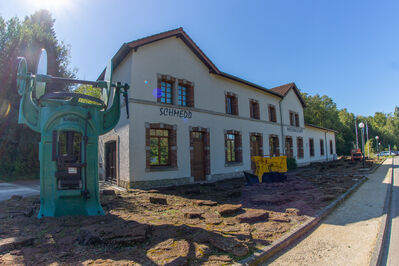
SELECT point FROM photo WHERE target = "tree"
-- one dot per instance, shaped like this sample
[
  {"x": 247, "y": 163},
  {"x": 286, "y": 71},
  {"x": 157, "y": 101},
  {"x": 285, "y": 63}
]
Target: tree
[
  {"x": 24, "y": 38},
  {"x": 322, "y": 111}
]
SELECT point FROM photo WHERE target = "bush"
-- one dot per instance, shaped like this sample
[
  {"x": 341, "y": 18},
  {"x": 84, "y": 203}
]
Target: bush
[{"x": 291, "y": 163}]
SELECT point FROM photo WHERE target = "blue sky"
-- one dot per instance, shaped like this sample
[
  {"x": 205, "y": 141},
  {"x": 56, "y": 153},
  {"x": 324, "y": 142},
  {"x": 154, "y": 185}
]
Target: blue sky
[{"x": 347, "y": 50}]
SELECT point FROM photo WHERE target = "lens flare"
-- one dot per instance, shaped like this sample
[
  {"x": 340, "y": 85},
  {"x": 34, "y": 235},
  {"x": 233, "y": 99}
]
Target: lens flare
[
  {"x": 5, "y": 108},
  {"x": 146, "y": 82},
  {"x": 156, "y": 93}
]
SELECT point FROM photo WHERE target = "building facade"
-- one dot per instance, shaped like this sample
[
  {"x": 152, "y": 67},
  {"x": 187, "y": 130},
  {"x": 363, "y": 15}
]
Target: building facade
[{"x": 191, "y": 122}]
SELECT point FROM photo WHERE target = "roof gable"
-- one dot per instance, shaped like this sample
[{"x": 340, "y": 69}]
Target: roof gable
[
  {"x": 179, "y": 33},
  {"x": 284, "y": 89}
]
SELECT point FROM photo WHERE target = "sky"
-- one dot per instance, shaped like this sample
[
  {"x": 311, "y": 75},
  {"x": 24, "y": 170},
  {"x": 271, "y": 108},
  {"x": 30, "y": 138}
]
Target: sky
[{"x": 347, "y": 50}]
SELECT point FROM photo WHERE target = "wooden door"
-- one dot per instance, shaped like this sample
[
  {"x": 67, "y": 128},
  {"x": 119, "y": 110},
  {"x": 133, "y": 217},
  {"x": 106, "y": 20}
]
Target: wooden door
[
  {"x": 110, "y": 161},
  {"x": 255, "y": 149},
  {"x": 199, "y": 156}
]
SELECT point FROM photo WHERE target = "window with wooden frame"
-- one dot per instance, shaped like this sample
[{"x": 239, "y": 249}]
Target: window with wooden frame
[
  {"x": 321, "y": 147},
  {"x": 254, "y": 109},
  {"x": 274, "y": 146},
  {"x": 294, "y": 119},
  {"x": 299, "y": 143},
  {"x": 185, "y": 93},
  {"x": 289, "y": 147},
  {"x": 233, "y": 146},
  {"x": 331, "y": 147},
  {"x": 166, "y": 88},
  {"x": 231, "y": 103},
  {"x": 160, "y": 146},
  {"x": 272, "y": 113},
  {"x": 311, "y": 147}
]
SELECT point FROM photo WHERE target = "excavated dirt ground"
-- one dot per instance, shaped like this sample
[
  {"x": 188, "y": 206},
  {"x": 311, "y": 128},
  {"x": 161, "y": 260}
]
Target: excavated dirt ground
[{"x": 212, "y": 224}]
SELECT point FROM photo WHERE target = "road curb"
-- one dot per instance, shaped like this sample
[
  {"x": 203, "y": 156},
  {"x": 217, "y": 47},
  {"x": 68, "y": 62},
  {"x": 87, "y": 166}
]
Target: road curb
[
  {"x": 269, "y": 251},
  {"x": 381, "y": 237}
]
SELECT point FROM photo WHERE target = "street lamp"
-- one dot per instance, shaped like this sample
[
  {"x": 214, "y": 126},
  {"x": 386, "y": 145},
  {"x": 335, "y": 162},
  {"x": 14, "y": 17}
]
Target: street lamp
[
  {"x": 361, "y": 125},
  {"x": 376, "y": 144}
]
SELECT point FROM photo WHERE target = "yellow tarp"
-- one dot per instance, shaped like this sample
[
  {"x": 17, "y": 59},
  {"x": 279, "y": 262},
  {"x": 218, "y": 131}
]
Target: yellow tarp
[{"x": 269, "y": 164}]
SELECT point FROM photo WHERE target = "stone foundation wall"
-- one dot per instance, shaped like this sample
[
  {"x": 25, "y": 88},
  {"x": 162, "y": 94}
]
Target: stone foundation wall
[{"x": 178, "y": 181}]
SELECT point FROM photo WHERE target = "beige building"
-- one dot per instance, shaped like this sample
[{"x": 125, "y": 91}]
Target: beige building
[{"x": 192, "y": 122}]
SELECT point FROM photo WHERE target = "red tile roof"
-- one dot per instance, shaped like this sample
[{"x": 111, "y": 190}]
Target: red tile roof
[{"x": 284, "y": 89}]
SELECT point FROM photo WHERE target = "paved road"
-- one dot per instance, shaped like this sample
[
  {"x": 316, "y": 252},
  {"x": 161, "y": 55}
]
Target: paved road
[
  {"x": 391, "y": 249},
  {"x": 348, "y": 235},
  {"x": 24, "y": 188}
]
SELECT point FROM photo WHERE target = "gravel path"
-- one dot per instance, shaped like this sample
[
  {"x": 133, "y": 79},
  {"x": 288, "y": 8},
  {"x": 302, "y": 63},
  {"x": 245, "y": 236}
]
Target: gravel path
[{"x": 348, "y": 235}]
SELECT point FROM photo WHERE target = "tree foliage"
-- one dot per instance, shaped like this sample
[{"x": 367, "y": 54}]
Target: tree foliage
[
  {"x": 322, "y": 111},
  {"x": 18, "y": 144}
]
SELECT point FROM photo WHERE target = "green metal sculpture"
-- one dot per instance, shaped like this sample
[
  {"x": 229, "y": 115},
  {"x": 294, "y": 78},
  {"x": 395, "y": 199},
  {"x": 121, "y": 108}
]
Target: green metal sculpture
[{"x": 69, "y": 131}]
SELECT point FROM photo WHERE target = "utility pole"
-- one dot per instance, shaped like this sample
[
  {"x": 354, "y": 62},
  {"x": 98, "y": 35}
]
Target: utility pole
[
  {"x": 368, "y": 145},
  {"x": 357, "y": 140}
]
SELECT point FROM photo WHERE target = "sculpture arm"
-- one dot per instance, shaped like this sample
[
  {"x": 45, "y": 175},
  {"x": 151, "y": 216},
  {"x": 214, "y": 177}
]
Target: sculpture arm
[
  {"x": 29, "y": 111},
  {"x": 112, "y": 115}
]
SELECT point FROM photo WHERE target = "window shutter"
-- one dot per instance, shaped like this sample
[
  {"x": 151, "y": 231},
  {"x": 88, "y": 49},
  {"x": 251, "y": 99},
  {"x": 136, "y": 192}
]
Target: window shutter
[
  {"x": 273, "y": 114},
  {"x": 297, "y": 120},
  {"x": 277, "y": 146},
  {"x": 147, "y": 144},
  {"x": 190, "y": 100},
  {"x": 251, "y": 107},
  {"x": 173, "y": 145},
  {"x": 225, "y": 101},
  {"x": 239, "y": 147},
  {"x": 291, "y": 119},
  {"x": 235, "y": 105},
  {"x": 270, "y": 113},
  {"x": 225, "y": 147},
  {"x": 159, "y": 90}
]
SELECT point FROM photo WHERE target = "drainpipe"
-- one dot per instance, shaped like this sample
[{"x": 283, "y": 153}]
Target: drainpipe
[{"x": 282, "y": 127}]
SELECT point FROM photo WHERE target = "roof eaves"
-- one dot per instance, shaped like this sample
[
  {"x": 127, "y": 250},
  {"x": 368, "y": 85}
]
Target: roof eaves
[
  {"x": 117, "y": 58},
  {"x": 179, "y": 32},
  {"x": 248, "y": 83},
  {"x": 319, "y": 127},
  {"x": 298, "y": 93}
]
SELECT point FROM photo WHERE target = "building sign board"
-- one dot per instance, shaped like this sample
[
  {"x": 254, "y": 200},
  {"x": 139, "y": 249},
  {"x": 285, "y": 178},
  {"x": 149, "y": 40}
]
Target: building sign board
[
  {"x": 180, "y": 113},
  {"x": 295, "y": 129}
]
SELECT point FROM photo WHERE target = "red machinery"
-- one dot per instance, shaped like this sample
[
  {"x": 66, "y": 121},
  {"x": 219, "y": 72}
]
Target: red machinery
[{"x": 356, "y": 155}]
